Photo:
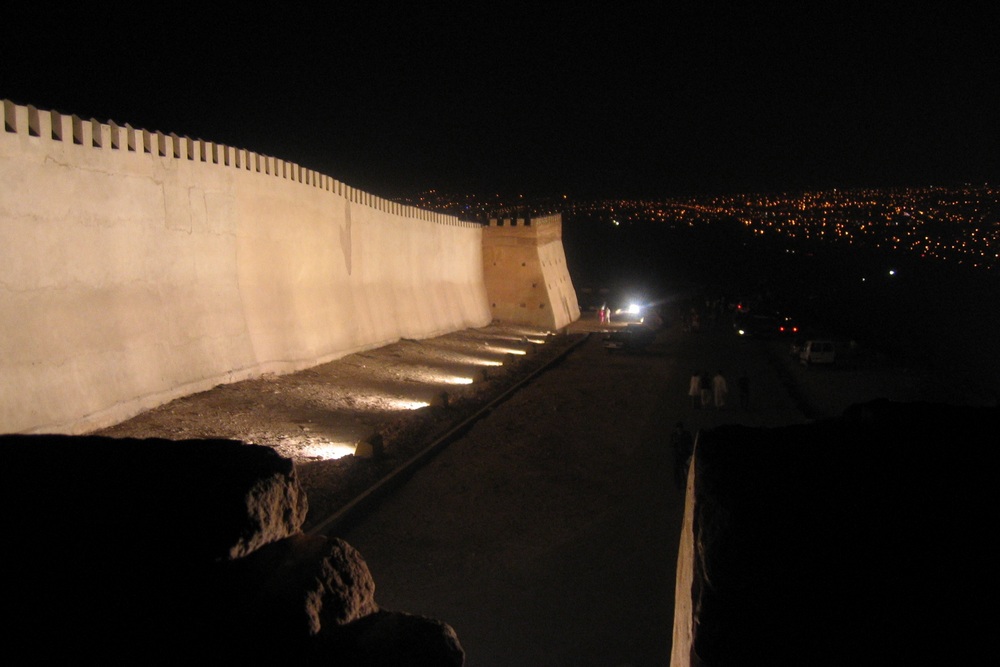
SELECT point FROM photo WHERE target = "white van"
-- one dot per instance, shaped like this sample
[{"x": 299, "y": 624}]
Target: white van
[{"x": 817, "y": 352}]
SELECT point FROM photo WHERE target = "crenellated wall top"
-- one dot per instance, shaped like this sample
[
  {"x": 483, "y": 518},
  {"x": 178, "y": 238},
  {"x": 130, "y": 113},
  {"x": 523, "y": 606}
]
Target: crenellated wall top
[
  {"x": 526, "y": 221},
  {"x": 45, "y": 125},
  {"x": 543, "y": 227}
]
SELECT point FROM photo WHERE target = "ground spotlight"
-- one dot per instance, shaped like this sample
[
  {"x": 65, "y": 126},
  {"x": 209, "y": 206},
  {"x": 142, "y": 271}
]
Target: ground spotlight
[{"x": 328, "y": 450}]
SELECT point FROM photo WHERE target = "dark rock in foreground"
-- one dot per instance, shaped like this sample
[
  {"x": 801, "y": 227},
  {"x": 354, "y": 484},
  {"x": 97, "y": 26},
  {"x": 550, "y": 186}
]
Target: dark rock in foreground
[
  {"x": 152, "y": 551},
  {"x": 862, "y": 540}
]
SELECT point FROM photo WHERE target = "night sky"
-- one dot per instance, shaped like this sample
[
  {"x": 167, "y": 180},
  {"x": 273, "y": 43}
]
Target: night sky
[{"x": 587, "y": 99}]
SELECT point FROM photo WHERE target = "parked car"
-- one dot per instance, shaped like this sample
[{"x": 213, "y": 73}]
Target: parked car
[
  {"x": 788, "y": 327},
  {"x": 817, "y": 352},
  {"x": 765, "y": 325},
  {"x": 629, "y": 312}
]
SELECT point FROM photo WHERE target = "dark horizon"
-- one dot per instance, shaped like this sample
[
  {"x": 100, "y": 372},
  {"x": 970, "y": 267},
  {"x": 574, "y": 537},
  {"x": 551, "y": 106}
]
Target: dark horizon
[{"x": 579, "y": 100}]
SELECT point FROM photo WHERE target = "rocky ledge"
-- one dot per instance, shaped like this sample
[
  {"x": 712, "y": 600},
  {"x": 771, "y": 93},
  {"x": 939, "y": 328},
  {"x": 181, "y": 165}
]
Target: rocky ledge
[{"x": 204, "y": 560}]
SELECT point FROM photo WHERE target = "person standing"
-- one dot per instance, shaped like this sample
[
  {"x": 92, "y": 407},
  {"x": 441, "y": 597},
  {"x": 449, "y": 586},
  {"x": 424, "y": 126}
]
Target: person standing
[
  {"x": 744, "y": 386},
  {"x": 694, "y": 390},
  {"x": 706, "y": 390},
  {"x": 719, "y": 390}
]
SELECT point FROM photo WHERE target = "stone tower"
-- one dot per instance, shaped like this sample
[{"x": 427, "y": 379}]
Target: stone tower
[{"x": 524, "y": 268}]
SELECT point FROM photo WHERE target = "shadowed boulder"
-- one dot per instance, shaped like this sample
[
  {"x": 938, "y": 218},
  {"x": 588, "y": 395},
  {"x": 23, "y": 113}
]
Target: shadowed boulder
[
  {"x": 196, "y": 500},
  {"x": 155, "y": 550},
  {"x": 860, "y": 540}
]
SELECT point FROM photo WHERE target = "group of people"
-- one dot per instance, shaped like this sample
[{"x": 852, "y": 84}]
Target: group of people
[
  {"x": 712, "y": 390},
  {"x": 705, "y": 390}
]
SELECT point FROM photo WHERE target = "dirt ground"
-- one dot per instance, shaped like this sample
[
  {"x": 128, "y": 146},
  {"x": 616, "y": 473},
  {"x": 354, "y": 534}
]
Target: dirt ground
[
  {"x": 402, "y": 396},
  {"x": 547, "y": 533},
  {"x": 409, "y": 394},
  {"x": 535, "y": 508}
]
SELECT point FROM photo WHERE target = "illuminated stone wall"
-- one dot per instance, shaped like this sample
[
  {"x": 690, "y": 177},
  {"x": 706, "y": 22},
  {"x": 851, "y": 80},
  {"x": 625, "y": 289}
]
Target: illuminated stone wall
[
  {"x": 527, "y": 279},
  {"x": 137, "y": 267}
]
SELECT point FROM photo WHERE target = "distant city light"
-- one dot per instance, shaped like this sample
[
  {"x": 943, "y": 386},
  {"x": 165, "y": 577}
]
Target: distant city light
[{"x": 936, "y": 223}]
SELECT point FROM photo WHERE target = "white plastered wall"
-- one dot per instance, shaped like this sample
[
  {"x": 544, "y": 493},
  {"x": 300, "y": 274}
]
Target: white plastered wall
[{"x": 129, "y": 278}]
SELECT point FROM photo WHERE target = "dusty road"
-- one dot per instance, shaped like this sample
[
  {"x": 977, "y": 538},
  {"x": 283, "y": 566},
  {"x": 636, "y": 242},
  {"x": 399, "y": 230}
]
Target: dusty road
[{"x": 546, "y": 534}]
